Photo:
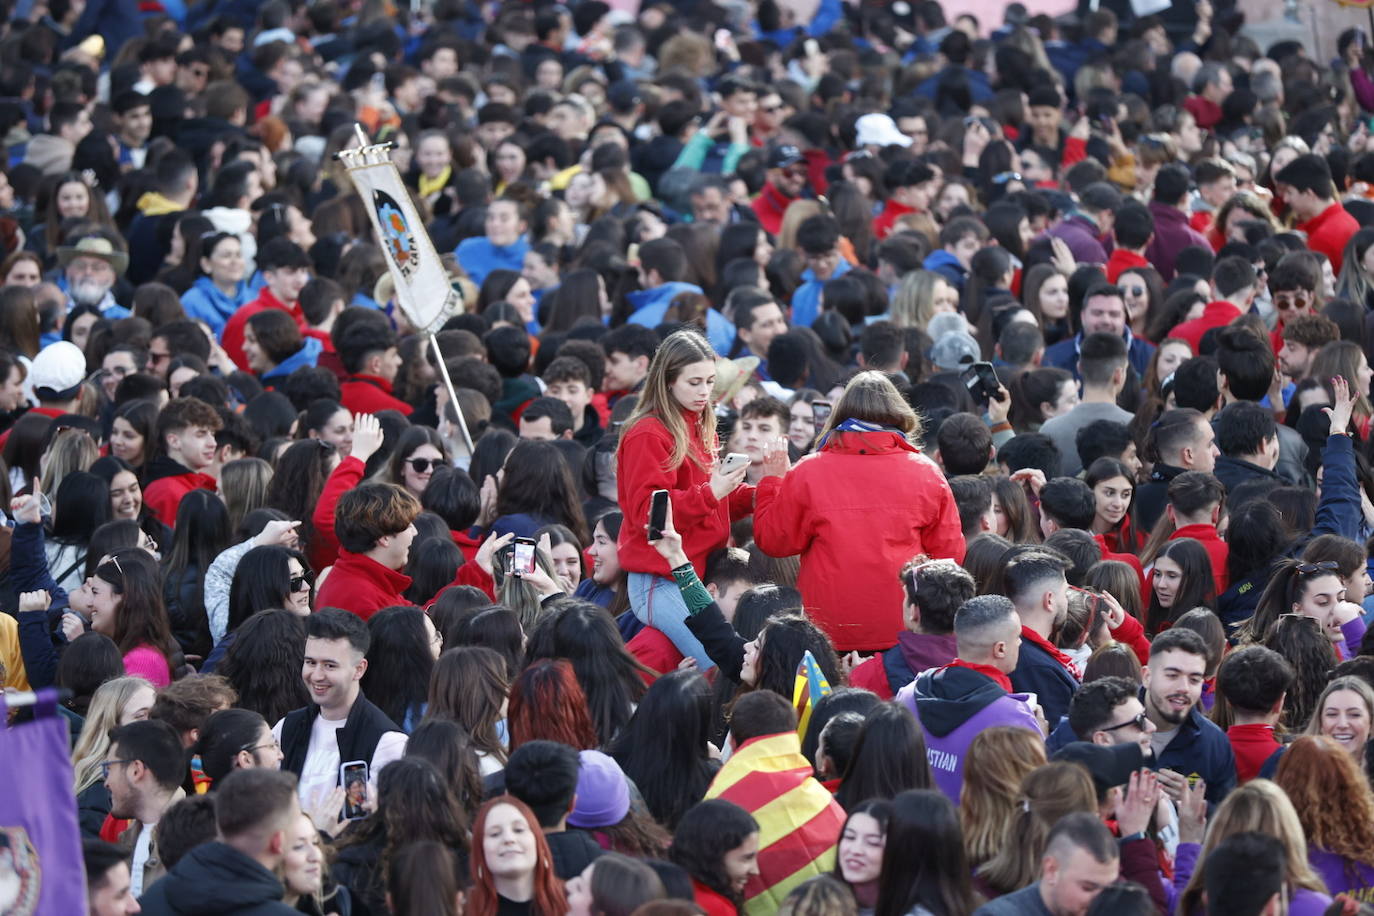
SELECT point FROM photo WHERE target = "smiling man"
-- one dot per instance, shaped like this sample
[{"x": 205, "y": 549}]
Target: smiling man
[
  {"x": 339, "y": 725},
  {"x": 1081, "y": 858},
  {"x": 1186, "y": 744},
  {"x": 186, "y": 435}
]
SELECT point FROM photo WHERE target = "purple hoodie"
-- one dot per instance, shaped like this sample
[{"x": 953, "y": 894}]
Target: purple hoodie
[
  {"x": 1342, "y": 876},
  {"x": 953, "y": 705}
]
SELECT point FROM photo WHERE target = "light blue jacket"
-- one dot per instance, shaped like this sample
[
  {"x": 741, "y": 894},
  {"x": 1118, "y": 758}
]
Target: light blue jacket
[
  {"x": 208, "y": 303},
  {"x": 652, "y": 304}
]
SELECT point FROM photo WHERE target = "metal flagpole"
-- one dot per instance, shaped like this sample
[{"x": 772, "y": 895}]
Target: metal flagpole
[
  {"x": 370, "y": 155},
  {"x": 452, "y": 395}
]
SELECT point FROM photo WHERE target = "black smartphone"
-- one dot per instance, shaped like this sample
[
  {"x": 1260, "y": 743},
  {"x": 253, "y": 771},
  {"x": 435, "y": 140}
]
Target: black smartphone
[
  {"x": 658, "y": 514},
  {"x": 522, "y": 558},
  {"x": 353, "y": 777},
  {"x": 820, "y": 412},
  {"x": 981, "y": 381}
]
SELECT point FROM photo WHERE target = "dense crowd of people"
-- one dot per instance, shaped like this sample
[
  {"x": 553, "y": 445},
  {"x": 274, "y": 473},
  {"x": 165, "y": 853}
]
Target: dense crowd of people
[{"x": 894, "y": 464}]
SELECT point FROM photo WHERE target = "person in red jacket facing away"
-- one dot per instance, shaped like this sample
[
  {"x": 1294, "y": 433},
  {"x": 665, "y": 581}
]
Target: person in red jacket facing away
[
  {"x": 1235, "y": 284},
  {"x": 910, "y": 185},
  {"x": 1194, "y": 507},
  {"x": 855, "y": 511},
  {"x": 285, "y": 269},
  {"x": 186, "y": 430},
  {"x": 1254, "y": 680},
  {"x": 367, "y": 347},
  {"x": 669, "y": 444},
  {"x": 1305, "y": 185},
  {"x": 375, "y": 525}
]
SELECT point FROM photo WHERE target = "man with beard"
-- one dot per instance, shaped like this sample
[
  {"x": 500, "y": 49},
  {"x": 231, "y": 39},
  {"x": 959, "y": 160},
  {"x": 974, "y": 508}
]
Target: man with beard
[
  {"x": 92, "y": 266},
  {"x": 1187, "y": 746},
  {"x": 1036, "y": 585}
]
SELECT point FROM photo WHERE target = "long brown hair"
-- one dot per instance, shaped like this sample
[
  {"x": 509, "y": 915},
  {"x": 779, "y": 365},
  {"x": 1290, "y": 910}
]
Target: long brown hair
[
  {"x": 680, "y": 350},
  {"x": 872, "y": 398},
  {"x": 549, "y": 897},
  {"x": 999, "y": 759},
  {"x": 468, "y": 686},
  {"x": 1332, "y": 797},
  {"x": 1047, "y": 794}
]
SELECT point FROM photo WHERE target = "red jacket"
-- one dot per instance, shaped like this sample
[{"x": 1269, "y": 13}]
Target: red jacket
[
  {"x": 231, "y": 338},
  {"x": 1121, "y": 261},
  {"x": 1216, "y": 315},
  {"x": 1253, "y": 745},
  {"x": 884, "y": 222},
  {"x": 369, "y": 394},
  {"x": 1206, "y": 112},
  {"x": 469, "y": 545},
  {"x": 769, "y": 207},
  {"x": 1328, "y": 232},
  {"x": 323, "y": 548},
  {"x": 703, "y": 520},
  {"x": 163, "y": 496},
  {"x": 1216, "y": 548},
  {"x": 655, "y": 652},
  {"x": 360, "y": 584},
  {"x": 1129, "y": 559},
  {"x": 856, "y": 511},
  {"x": 711, "y": 903}
]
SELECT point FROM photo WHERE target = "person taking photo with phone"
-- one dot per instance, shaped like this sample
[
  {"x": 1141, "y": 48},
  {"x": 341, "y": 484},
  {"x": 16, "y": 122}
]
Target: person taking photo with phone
[
  {"x": 856, "y": 510},
  {"x": 670, "y": 444}
]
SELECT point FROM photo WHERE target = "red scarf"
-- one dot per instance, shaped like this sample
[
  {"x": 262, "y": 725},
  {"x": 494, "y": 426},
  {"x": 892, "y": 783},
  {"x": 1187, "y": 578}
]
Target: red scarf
[
  {"x": 1033, "y": 637},
  {"x": 986, "y": 670}
]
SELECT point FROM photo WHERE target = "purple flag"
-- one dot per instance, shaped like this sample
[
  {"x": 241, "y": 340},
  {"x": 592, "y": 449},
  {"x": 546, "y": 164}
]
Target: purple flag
[{"x": 41, "y": 870}]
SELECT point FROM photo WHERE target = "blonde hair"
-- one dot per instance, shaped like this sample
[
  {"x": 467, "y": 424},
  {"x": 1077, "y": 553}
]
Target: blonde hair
[
  {"x": 872, "y": 398},
  {"x": 1355, "y": 684},
  {"x": 822, "y": 895},
  {"x": 913, "y": 305},
  {"x": 797, "y": 212},
  {"x": 1258, "y": 806},
  {"x": 70, "y": 450},
  {"x": 1047, "y": 794},
  {"x": 244, "y": 483},
  {"x": 680, "y": 350},
  {"x": 103, "y": 715},
  {"x": 999, "y": 760}
]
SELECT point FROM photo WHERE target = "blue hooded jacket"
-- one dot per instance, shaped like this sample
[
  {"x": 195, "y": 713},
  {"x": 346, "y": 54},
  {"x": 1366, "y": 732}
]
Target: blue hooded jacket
[
  {"x": 947, "y": 266},
  {"x": 308, "y": 355},
  {"x": 480, "y": 257},
  {"x": 652, "y": 304},
  {"x": 206, "y": 302},
  {"x": 806, "y": 300}
]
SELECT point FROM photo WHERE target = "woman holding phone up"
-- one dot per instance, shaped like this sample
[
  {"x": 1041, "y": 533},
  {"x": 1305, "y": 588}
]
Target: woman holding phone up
[{"x": 669, "y": 444}]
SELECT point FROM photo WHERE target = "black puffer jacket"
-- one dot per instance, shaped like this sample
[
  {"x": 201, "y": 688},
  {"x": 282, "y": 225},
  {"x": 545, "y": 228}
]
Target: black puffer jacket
[{"x": 216, "y": 880}]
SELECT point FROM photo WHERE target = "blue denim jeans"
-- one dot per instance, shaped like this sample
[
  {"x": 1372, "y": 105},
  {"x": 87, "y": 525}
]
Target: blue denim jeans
[{"x": 658, "y": 603}]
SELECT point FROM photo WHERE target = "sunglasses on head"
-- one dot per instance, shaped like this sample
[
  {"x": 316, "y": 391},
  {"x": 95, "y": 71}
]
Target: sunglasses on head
[{"x": 421, "y": 465}]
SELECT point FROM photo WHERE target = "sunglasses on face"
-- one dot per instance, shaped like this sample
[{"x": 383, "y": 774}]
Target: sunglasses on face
[
  {"x": 300, "y": 583},
  {"x": 1138, "y": 721},
  {"x": 421, "y": 465},
  {"x": 1133, "y": 290}
]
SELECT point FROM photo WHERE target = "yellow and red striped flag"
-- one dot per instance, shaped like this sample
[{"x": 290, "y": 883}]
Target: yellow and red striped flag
[
  {"x": 799, "y": 821},
  {"x": 810, "y": 686}
]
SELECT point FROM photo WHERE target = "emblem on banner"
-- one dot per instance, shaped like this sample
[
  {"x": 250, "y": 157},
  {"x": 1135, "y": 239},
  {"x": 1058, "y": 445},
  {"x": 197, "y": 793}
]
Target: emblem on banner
[
  {"x": 20, "y": 873},
  {"x": 396, "y": 232}
]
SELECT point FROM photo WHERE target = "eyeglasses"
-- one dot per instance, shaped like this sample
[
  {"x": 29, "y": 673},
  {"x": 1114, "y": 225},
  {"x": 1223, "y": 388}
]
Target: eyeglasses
[
  {"x": 1307, "y": 569},
  {"x": 1138, "y": 721},
  {"x": 157, "y": 357},
  {"x": 250, "y": 748},
  {"x": 423, "y": 464},
  {"x": 772, "y": 109},
  {"x": 300, "y": 583},
  {"x": 795, "y": 174},
  {"x": 105, "y": 767},
  {"x": 1133, "y": 290}
]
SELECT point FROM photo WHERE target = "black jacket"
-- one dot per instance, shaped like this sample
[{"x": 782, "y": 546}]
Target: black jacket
[
  {"x": 1232, "y": 472},
  {"x": 357, "y": 739},
  {"x": 215, "y": 879},
  {"x": 572, "y": 851},
  {"x": 1040, "y": 673},
  {"x": 1152, "y": 496}
]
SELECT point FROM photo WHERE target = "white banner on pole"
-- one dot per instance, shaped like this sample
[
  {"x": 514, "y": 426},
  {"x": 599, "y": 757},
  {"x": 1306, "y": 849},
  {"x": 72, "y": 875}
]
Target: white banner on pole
[{"x": 423, "y": 290}]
